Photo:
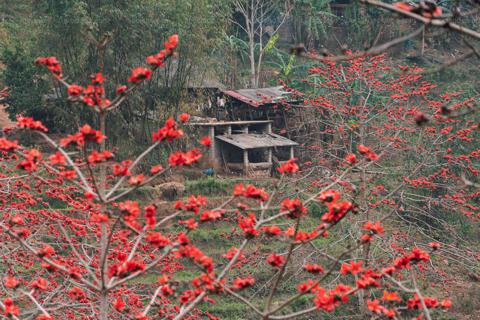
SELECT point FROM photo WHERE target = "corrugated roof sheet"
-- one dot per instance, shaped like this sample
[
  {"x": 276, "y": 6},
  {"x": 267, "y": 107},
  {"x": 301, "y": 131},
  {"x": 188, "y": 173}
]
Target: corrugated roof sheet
[
  {"x": 247, "y": 141},
  {"x": 260, "y": 96}
]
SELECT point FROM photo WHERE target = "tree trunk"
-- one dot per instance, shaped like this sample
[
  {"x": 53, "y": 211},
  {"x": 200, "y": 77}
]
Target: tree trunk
[{"x": 253, "y": 74}]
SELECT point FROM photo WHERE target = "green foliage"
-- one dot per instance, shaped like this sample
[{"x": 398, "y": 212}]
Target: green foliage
[
  {"x": 25, "y": 90},
  {"x": 209, "y": 186},
  {"x": 310, "y": 20},
  {"x": 70, "y": 30}
]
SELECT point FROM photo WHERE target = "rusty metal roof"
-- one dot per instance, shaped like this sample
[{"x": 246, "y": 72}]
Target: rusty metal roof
[
  {"x": 260, "y": 96},
  {"x": 247, "y": 141}
]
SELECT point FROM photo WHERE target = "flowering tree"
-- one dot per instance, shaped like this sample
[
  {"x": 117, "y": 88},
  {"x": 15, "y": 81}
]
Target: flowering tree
[{"x": 76, "y": 244}]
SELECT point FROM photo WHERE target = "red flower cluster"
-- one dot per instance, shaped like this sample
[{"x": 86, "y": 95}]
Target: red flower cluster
[
  {"x": 189, "y": 223},
  {"x": 368, "y": 279},
  {"x": 294, "y": 208},
  {"x": 11, "y": 282},
  {"x": 415, "y": 303},
  {"x": 194, "y": 253},
  {"x": 288, "y": 167},
  {"x": 86, "y": 133},
  {"x": 313, "y": 268},
  {"x": 184, "y": 158},
  {"x": 415, "y": 256},
  {"x": 353, "y": 268},
  {"x": 131, "y": 210},
  {"x": 351, "y": 158},
  {"x": 211, "y": 215},
  {"x": 206, "y": 141},
  {"x": 57, "y": 159},
  {"x": 336, "y": 210},
  {"x": 40, "y": 284},
  {"x": 329, "y": 196},
  {"x": 194, "y": 203},
  {"x": 126, "y": 268},
  {"x": 136, "y": 180},
  {"x": 32, "y": 157},
  {"x": 158, "y": 240},
  {"x": 250, "y": 191},
  {"x": 184, "y": 117},
  {"x": 10, "y": 309},
  {"x": 272, "y": 230},
  {"x": 122, "y": 169},
  {"x": 156, "y": 169},
  {"x": 139, "y": 74},
  {"x": 150, "y": 212},
  {"x": 7, "y": 145},
  {"x": 242, "y": 283},
  {"x": 247, "y": 224},
  {"x": 375, "y": 307},
  {"x": 275, "y": 260},
  {"x": 231, "y": 253},
  {"x": 301, "y": 236},
  {"x": 158, "y": 59},
  {"x": 92, "y": 95},
  {"x": 328, "y": 301},
  {"x": 46, "y": 251},
  {"x": 372, "y": 229},
  {"x": 96, "y": 157},
  {"x": 28, "y": 122},
  {"x": 168, "y": 132},
  {"x": 52, "y": 64},
  {"x": 368, "y": 152},
  {"x": 119, "y": 304}
]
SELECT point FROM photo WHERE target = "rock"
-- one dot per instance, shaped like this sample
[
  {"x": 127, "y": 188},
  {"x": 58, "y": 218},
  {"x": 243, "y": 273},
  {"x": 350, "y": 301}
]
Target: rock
[{"x": 170, "y": 190}]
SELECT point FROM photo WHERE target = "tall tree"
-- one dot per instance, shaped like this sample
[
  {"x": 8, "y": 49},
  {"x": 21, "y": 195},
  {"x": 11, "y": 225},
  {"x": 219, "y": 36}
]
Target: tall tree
[{"x": 260, "y": 21}]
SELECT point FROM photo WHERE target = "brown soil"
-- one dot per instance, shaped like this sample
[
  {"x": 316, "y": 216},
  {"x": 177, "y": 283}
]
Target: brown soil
[{"x": 5, "y": 122}]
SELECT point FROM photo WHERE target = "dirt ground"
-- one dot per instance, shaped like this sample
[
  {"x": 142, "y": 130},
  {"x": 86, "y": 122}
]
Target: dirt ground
[{"x": 5, "y": 122}]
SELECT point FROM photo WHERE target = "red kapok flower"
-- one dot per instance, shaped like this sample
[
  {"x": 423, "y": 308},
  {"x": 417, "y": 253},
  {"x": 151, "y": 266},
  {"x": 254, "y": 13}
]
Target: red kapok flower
[
  {"x": 140, "y": 74},
  {"x": 363, "y": 149},
  {"x": 119, "y": 304},
  {"x": 288, "y": 167},
  {"x": 206, "y": 141},
  {"x": 74, "y": 90},
  {"x": 184, "y": 117},
  {"x": 121, "y": 89},
  {"x": 10, "y": 309},
  {"x": 11, "y": 282},
  {"x": 28, "y": 122},
  {"x": 7, "y": 145},
  {"x": 275, "y": 260},
  {"x": 313, "y": 268},
  {"x": 351, "y": 158},
  {"x": 156, "y": 169},
  {"x": 434, "y": 245},
  {"x": 242, "y": 283},
  {"x": 353, "y": 268}
]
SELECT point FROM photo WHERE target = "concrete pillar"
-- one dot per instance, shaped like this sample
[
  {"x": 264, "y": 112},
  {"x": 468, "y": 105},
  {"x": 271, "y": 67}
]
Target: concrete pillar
[
  {"x": 269, "y": 155},
  {"x": 292, "y": 154},
  {"x": 269, "y": 128},
  {"x": 229, "y": 130},
  {"x": 213, "y": 147},
  {"x": 245, "y": 161},
  {"x": 245, "y": 129},
  {"x": 214, "y": 150}
]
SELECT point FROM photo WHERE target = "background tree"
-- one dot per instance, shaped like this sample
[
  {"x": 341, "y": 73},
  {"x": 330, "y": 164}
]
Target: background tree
[
  {"x": 260, "y": 21},
  {"x": 71, "y": 30}
]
